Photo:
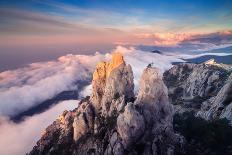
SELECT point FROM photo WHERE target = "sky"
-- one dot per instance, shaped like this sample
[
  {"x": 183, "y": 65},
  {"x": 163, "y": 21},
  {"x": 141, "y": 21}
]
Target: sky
[
  {"x": 60, "y": 42},
  {"x": 35, "y": 29}
]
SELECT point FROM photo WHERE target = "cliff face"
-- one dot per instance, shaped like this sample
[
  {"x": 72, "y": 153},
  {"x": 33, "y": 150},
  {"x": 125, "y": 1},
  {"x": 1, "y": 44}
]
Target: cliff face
[
  {"x": 113, "y": 120},
  {"x": 112, "y": 85},
  {"x": 204, "y": 89}
]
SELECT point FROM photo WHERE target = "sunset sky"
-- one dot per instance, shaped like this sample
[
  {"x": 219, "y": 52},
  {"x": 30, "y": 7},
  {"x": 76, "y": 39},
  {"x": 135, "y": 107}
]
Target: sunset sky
[
  {"x": 49, "y": 50},
  {"x": 35, "y": 26}
]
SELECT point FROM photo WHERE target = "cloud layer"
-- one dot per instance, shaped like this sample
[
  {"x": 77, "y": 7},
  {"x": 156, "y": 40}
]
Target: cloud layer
[
  {"x": 195, "y": 42},
  {"x": 25, "y": 87},
  {"x": 18, "y": 139}
]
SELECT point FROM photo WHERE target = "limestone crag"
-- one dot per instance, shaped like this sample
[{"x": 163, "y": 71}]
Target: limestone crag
[
  {"x": 220, "y": 105},
  {"x": 204, "y": 89},
  {"x": 113, "y": 120},
  {"x": 112, "y": 85},
  {"x": 102, "y": 73},
  {"x": 153, "y": 96}
]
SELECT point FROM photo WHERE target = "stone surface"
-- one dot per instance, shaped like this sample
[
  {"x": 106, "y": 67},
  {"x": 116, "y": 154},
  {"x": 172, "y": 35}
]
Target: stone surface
[
  {"x": 112, "y": 85},
  {"x": 220, "y": 105},
  {"x": 83, "y": 121},
  {"x": 130, "y": 125},
  {"x": 204, "y": 89},
  {"x": 153, "y": 97},
  {"x": 113, "y": 121},
  {"x": 210, "y": 62}
]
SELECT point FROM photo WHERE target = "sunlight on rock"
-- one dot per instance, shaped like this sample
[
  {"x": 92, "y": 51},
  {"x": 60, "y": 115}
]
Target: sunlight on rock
[{"x": 211, "y": 62}]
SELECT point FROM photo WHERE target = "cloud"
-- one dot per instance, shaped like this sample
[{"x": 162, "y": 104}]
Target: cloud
[
  {"x": 26, "y": 87},
  {"x": 24, "y": 15},
  {"x": 165, "y": 39},
  {"x": 17, "y": 139},
  {"x": 86, "y": 91},
  {"x": 139, "y": 60},
  {"x": 216, "y": 38},
  {"x": 24, "y": 22},
  {"x": 66, "y": 24},
  {"x": 26, "y": 28},
  {"x": 187, "y": 41},
  {"x": 210, "y": 41}
]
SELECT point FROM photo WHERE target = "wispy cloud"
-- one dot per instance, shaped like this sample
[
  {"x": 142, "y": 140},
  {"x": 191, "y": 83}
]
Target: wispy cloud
[
  {"x": 23, "y": 22},
  {"x": 29, "y": 130},
  {"x": 29, "y": 86},
  {"x": 164, "y": 39},
  {"x": 206, "y": 41},
  {"x": 23, "y": 15},
  {"x": 26, "y": 87},
  {"x": 64, "y": 23},
  {"x": 217, "y": 38}
]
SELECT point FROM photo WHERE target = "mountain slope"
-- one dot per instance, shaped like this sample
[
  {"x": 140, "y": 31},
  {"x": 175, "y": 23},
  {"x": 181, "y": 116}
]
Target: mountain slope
[
  {"x": 204, "y": 89},
  {"x": 113, "y": 120}
]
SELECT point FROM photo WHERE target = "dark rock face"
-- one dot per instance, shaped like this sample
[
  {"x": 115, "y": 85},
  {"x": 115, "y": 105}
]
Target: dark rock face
[
  {"x": 124, "y": 126},
  {"x": 204, "y": 89}
]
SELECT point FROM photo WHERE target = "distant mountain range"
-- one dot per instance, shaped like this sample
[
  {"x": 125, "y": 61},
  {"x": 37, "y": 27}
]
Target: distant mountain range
[{"x": 220, "y": 59}]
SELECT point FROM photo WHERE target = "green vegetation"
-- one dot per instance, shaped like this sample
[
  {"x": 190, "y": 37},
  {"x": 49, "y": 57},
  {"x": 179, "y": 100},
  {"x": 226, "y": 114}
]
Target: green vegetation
[{"x": 204, "y": 137}]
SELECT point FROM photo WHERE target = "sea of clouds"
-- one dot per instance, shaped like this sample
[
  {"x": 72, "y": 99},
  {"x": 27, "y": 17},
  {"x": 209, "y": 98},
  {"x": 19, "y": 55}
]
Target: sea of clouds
[
  {"x": 26, "y": 87},
  {"x": 19, "y": 139}
]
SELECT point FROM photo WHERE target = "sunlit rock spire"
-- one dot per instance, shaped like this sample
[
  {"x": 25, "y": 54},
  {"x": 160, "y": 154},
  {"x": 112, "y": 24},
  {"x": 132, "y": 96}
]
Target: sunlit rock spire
[
  {"x": 113, "y": 121},
  {"x": 111, "y": 80},
  {"x": 210, "y": 62},
  {"x": 104, "y": 69}
]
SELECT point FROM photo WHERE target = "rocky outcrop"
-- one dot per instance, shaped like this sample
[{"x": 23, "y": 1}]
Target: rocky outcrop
[
  {"x": 220, "y": 105},
  {"x": 113, "y": 121},
  {"x": 83, "y": 122},
  {"x": 204, "y": 89},
  {"x": 130, "y": 125},
  {"x": 112, "y": 85},
  {"x": 153, "y": 97}
]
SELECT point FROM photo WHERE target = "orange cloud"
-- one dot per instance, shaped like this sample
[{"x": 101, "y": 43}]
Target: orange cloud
[{"x": 165, "y": 39}]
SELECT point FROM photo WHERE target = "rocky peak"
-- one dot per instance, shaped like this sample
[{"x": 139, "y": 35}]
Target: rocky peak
[
  {"x": 104, "y": 69},
  {"x": 112, "y": 81},
  {"x": 112, "y": 121},
  {"x": 204, "y": 89},
  {"x": 210, "y": 62},
  {"x": 153, "y": 96}
]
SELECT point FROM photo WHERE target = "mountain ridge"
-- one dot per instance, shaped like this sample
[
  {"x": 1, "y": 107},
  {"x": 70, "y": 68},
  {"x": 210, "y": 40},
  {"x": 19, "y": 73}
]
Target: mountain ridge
[
  {"x": 201, "y": 88},
  {"x": 113, "y": 120}
]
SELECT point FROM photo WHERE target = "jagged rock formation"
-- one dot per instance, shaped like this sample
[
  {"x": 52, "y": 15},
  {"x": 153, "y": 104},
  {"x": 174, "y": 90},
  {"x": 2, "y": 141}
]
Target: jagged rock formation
[
  {"x": 219, "y": 106},
  {"x": 112, "y": 85},
  {"x": 201, "y": 88},
  {"x": 113, "y": 121}
]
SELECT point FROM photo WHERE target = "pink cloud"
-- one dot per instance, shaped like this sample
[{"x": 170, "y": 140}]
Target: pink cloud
[{"x": 165, "y": 39}]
